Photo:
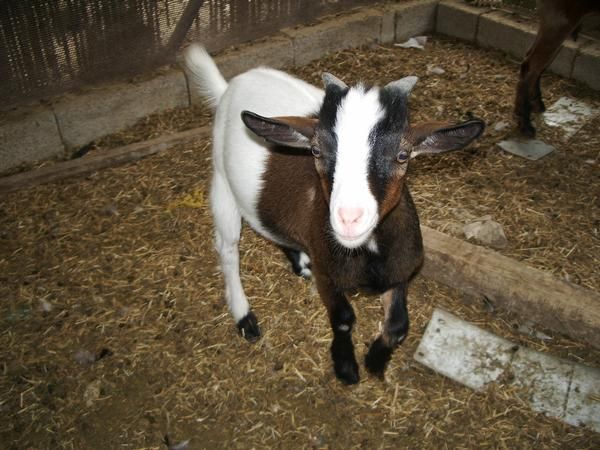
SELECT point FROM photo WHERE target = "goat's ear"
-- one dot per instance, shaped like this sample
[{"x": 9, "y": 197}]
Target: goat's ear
[
  {"x": 438, "y": 137},
  {"x": 330, "y": 81},
  {"x": 404, "y": 85},
  {"x": 290, "y": 131}
]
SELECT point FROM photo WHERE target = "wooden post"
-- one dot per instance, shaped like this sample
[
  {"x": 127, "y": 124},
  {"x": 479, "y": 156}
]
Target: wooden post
[
  {"x": 535, "y": 295},
  {"x": 181, "y": 29}
]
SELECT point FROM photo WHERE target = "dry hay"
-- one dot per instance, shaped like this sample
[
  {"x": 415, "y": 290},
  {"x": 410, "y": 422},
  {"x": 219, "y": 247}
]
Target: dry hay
[{"x": 114, "y": 331}]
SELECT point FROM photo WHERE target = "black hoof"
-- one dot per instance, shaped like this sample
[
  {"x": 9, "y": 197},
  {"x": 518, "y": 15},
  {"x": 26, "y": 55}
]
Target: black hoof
[
  {"x": 527, "y": 130},
  {"x": 537, "y": 106},
  {"x": 378, "y": 357},
  {"x": 347, "y": 371},
  {"x": 344, "y": 361},
  {"x": 249, "y": 328}
]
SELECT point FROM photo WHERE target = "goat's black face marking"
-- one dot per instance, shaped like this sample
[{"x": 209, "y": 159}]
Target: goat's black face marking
[
  {"x": 325, "y": 137},
  {"x": 385, "y": 140}
]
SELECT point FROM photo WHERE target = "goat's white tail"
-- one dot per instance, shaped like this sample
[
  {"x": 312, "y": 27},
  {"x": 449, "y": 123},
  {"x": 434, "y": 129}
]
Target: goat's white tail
[{"x": 205, "y": 77}]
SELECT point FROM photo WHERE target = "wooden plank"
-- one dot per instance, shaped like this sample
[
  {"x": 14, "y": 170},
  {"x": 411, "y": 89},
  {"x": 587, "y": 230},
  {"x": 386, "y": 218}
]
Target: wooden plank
[
  {"x": 92, "y": 163},
  {"x": 511, "y": 285}
]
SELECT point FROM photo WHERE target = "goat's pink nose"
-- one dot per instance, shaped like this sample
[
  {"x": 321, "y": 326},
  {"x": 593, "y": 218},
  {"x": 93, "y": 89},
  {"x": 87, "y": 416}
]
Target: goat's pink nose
[{"x": 348, "y": 216}]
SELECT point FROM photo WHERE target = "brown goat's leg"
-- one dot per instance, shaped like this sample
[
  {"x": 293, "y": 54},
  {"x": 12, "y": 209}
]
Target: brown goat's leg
[
  {"x": 342, "y": 318},
  {"x": 523, "y": 103},
  {"x": 529, "y": 98},
  {"x": 537, "y": 104},
  {"x": 395, "y": 329}
]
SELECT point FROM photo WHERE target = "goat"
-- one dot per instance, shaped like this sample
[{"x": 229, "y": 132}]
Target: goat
[
  {"x": 558, "y": 19},
  {"x": 321, "y": 174}
]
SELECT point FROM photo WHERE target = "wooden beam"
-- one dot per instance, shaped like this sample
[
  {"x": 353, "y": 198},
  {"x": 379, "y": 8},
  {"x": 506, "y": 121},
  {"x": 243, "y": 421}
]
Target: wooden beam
[
  {"x": 511, "y": 285},
  {"x": 102, "y": 160}
]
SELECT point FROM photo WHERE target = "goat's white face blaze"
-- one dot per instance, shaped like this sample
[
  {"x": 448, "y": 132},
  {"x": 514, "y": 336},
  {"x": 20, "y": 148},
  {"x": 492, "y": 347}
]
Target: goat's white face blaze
[{"x": 353, "y": 209}]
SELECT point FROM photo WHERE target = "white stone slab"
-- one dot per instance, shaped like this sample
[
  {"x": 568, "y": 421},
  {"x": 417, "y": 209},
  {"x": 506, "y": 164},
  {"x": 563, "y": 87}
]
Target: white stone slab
[
  {"x": 545, "y": 380},
  {"x": 569, "y": 114},
  {"x": 462, "y": 351},
  {"x": 475, "y": 358},
  {"x": 530, "y": 149},
  {"x": 583, "y": 404}
]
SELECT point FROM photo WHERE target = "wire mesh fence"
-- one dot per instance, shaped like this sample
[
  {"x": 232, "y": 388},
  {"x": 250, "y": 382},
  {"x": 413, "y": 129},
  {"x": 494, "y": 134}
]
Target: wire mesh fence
[{"x": 50, "y": 46}]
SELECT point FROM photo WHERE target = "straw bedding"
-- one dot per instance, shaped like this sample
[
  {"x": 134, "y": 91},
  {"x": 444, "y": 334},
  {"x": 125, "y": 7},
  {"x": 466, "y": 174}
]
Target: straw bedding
[{"x": 114, "y": 332}]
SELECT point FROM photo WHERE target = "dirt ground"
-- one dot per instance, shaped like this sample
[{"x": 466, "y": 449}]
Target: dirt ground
[{"x": 113, "y": 332}]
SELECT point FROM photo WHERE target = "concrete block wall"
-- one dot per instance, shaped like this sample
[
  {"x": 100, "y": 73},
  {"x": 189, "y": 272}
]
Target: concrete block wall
[
  {"x": 55, "y": 131},
  {"x": 29, "y": 135},
  {"x": 83, "y": 118}
]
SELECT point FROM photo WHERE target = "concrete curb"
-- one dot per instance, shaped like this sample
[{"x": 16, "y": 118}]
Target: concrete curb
[{"x": 45, "y": 132}]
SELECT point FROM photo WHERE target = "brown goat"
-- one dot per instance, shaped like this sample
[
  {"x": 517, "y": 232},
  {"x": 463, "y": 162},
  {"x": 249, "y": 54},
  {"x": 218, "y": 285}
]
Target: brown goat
[{"x": 558, "y": 20}]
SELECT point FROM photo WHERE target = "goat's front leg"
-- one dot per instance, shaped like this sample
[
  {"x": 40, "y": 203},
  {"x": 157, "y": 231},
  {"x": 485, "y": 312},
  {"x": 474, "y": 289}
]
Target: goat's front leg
[
  {"x": 341, "y": 318},
  {"x": 395, "y": 328}
]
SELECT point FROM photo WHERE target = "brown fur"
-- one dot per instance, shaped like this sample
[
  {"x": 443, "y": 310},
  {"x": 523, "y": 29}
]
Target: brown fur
[{"x": 288, "y": 184}]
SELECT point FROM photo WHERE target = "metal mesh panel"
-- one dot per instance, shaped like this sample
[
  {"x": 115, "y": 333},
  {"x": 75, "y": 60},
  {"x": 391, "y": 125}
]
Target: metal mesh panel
[{"x": 50, "y": 46}]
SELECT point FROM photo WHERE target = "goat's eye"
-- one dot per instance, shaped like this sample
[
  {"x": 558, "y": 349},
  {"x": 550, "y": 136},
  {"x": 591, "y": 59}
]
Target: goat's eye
[
  {"x": 315, "y": 151},
  {"x": 402, "y": 156}
]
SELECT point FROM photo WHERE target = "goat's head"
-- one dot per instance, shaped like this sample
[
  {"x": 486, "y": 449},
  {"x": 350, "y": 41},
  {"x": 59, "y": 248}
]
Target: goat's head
[{"x": 361, "y": 141}]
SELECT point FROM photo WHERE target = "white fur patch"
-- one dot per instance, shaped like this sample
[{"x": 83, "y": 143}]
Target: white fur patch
[
  {"x": 304, "y": 262},
  {"x": 306, "y": 273},
  {"x": 372, "y": 245},
  {"x": 357, "y": 115}
]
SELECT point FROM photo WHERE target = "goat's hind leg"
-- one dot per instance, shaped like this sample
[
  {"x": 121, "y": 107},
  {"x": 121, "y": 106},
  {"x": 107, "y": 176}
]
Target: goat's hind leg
[
  {"x": 395, "y": 329},
  {"x": 228, "y": 226},
  {"x": 545, "y": 47},
  {"x": 300, "y": 262}
]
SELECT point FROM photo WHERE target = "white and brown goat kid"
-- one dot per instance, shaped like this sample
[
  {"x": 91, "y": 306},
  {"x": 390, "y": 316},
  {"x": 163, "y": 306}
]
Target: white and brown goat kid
[{"x": 322, "y": 175}]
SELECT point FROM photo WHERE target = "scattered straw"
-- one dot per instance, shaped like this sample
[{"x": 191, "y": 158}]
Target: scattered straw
[{"x": 123, "y": 261}]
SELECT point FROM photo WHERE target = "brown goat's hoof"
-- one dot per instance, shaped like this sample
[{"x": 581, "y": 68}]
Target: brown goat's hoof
[
  {"x": 527, "y": 131},
  {"x": 537, "y": 106},
  {"x": 249, "y": 328}
]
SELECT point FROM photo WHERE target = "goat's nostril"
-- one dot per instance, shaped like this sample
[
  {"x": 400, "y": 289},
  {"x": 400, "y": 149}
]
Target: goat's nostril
[{"x": 349, "y": 216}]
